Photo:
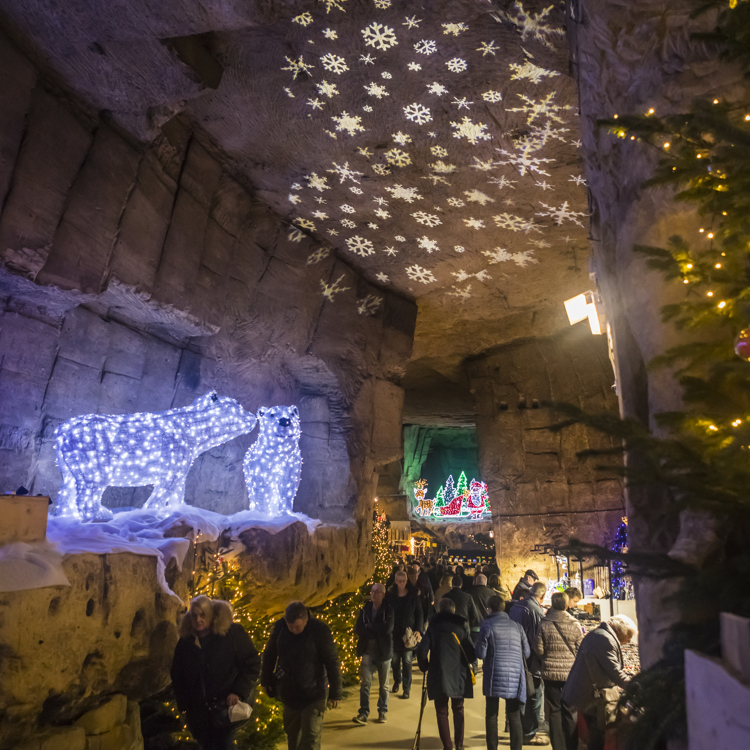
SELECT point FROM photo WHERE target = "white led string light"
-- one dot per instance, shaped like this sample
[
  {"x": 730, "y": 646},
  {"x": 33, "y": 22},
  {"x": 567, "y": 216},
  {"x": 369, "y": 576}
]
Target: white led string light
[
  {"x": 273, "y": 463},
  {"x": 96, "y": 451}
]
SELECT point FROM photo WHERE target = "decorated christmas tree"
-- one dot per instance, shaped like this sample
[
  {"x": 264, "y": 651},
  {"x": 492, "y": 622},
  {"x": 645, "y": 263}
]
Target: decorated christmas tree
[
  {"x": 463, "y": 485},
  {"x": 450, "y": 489},
  {"x": 440, "y": 498}
]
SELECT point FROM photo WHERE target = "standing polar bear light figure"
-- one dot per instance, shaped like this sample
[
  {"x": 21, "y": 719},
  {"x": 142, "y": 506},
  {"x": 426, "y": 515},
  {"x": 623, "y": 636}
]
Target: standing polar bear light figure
[
  {"x": 96, "y": 451},
  {"x": 274, "y": 462}
]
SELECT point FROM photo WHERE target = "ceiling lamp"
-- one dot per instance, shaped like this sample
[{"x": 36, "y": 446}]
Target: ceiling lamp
[{"x": 587, "y": 305}]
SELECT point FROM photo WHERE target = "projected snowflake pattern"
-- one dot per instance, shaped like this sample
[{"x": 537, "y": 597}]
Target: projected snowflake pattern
[{"x": 459, "y": 199}]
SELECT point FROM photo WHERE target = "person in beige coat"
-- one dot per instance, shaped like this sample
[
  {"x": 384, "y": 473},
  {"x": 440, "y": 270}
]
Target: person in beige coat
[{"x": 557, "y": 644}]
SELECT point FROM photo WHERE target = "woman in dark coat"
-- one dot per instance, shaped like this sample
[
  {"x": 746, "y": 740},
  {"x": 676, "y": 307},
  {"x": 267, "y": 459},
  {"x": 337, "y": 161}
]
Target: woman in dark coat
[
  {"x": 407, "y": 611},
  {"x": 448, "y": 674},
  {"x": 215, "y": 663}
]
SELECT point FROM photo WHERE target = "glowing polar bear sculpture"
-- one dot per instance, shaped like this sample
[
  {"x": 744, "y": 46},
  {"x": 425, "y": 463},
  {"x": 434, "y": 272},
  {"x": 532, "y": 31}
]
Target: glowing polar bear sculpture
[
  {"x": 274, "y": 462},
  {"x": 96, "y": 451}
]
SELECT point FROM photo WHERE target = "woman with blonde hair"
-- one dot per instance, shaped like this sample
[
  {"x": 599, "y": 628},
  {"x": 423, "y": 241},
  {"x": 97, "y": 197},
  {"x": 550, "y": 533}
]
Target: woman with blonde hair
[{"x": 215, "y": 666}]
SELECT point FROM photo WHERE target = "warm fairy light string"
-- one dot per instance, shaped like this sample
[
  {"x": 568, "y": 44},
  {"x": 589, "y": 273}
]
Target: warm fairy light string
[
  {"x": 96, "y": 451},
  {"x": 461, "y": 501},
  {"x": 273, "y": 464}
]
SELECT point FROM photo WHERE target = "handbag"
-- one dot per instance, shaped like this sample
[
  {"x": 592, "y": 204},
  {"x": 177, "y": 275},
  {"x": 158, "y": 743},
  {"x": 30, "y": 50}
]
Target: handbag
[
  {"x": 530, "y": 686},
  {"x": 468, "y": 663},
  {"x": 411, "y": 639}
]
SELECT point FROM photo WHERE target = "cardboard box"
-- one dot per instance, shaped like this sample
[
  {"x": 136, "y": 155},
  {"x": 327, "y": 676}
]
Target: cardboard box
[{"x": 24, "y": 518}]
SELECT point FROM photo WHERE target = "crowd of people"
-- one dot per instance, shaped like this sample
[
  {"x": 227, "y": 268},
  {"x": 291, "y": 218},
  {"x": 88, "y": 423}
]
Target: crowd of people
[{"x": 447, "y": 618}]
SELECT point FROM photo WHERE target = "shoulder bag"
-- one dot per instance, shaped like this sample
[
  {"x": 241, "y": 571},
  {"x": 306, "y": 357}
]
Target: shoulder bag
[
  {"x": 468, "y": 663},
  {"x": 411, "y": 639}
]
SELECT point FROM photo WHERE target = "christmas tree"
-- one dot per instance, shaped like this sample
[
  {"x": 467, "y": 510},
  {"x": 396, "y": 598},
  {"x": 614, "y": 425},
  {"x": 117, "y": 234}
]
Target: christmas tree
[
  {"x": 463, "y": 485},
  {"x": 439, "y": 499},
  {"x": 616, "y": 568},
  {"x": 450, "y": 489}
]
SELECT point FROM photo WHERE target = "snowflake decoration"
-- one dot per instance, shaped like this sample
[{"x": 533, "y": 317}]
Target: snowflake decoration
[
  {"x": 331, "y": 290},
  {"x": 535, "y": 26},
  {"x": 461, "y": 103},
  {"x": 436, "y": 88},
  {"x": 436, "y": 179},
  {"x": 380, "y": 201},
  {"x": 474, "y": 223},
  {"x": 381, "y": 213},
  {"x": 540, "y": 243},
  {"x": 476, "y": 196},
  {"x": 319, "y": 200},
  {"x": 459, "y": 248},
  {"x": 414, "y": 66},
  {"x": 577, "y": 144},
  {"x": 515, "y": 223},
  {"x": 327, "y": 89},
  {"x": 544, "y": 185},
  {"x": 454, "y": 28},
  {"x": 401, "y": 138},
  {"x": 292, "y": 198},
  {"x": 461, "y": 275},
  {"x": 473, "y": 132},
  {"x": 386, "y": 74},
  {"x": 427, "y": 244},
  {"x": 406, "y": 194},
  {"x": 315, "y": 103},
  {"x": 412, "y": 22},
  {"x": 367, "y": 108},
  {"x": 295, "y": 235},
  {"x": 334, "y": 63},
  {"x": 364, "y": 151},
  {"x": 375, "y": 89},
  {"x": 425, "y": 47},
  {"x": 304, "y": 19},
  {"x": 530, "y": 72},
  {"x": 355, "y": 190},
  {"x": 381, "y": 169},
  {"x": 578, "y": 179},
  {"x": 462, "y": 294},
  {"x": 321, "y": 215},
  {"x": 538, "y": 137},
  {"x": 400, "y": 238},
  {"x": 331, "y": 133},
  {"x": 370, "y": 304},
  {"x": 561, "y": 213},
  {"x": 397, "y": 157},
  {"x": 492, "y": 96},
  {"x": 333, "y": 232},
  {"x": 379, "y": 36},
  {"x": 524, "y": 163},
  {"x": 297, "y": 66},
  {"x": 296, "y": 186},
  {"x": 347, "y": 209},
  {"x": 382, "y": 4},
  {"x": 390, "y": 250},
  {"x": 542, "y": 108},
  {"x": 382, "y": 277},
  {"x": 289, "y": 92},
  {"x": 360, "y": 246},
  {"x": 457, "y": 202},
  {"x": 344, "y": 173},
  {"x": 417, "y": 113},
  {"x": 321, "y": 253},
  {"x": 456, "y": 65},
  {"x": 367, "y": 59},
  {"x": 442, "y": 168},
  {"x": 351, "y": 124},
  {"x": 501, "y": 255},
  {"x": 483, "y": 166},
  {"x": 438, "y": 151},
  {"x": 488, "y": 48},
  {"x": 417, "y": 273},
  {"x": 429, "y": 220},
  {"x": 317, "y": 183},
  {"x": 330, "y": 34},
  {"x": 372, "y": 225},
  {"x": 348, "y": 223},
  {"x": 502, "y": 182}
]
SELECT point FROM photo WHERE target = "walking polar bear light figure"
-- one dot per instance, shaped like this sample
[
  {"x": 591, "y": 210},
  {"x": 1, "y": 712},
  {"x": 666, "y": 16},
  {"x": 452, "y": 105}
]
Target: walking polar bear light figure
[
  {"x": 273, "y": 463},
  {"x": 96, "y": 451}
]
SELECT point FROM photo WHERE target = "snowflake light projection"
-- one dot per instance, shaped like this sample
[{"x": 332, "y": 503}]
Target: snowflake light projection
[
  {"x": 562, "y": 213},
  {"x": 273, "y": 464},
  {"x": 417, "y": 113},
  {"x": 425, "y": 47},
  {"x": 542, "y": 108},
  {"x": 370, "y": 304},
  {"x": 437, "y": 88},
  {"x": 492, "y": 96},
  {"x": 379, "y": 36},
  {"x": 397, "y": 158},
  {"x": 427, "y": 244},
  {"x": 488, "y": 48},
  {"x": 345, "y": 173},
  {"x": 316, "y": 256},
  {"x": 351, "y": 124},
  {"x": 462, "y": 501},
  {"x": 360, "y": 246},
  {"x": 417, "y": 273},
  {"x": 523, "y": 162},
  {"x": 473, "y": 132},
  {"x": 96, "y": 451},
  {"x": 429, "y": 220},
  {"x": 501, "y": 255},
  {"x": 515, "y": 223},
  {"x": 327, "y": 89},
  {"x": 329, "y": 291},
  {"x": 530, "y": 72},
  {"x": 454, "y": 28},
  {"x": 405, "y": 194},
  {"x": 297, "y": 66},
  {"x": 334, "y": 64},
  {"x": 535, "y": 26},
  {"x": 375, "y": 89},
  {"x": 456, "y": 65},
  {"x": 477, "y": 196}
]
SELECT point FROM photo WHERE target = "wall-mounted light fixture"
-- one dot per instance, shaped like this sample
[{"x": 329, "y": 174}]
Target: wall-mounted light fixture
[{"x": 587, "y": 305}]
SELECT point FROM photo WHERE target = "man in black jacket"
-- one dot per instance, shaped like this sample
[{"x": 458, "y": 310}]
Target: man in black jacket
[
  {"x": 523, "y": 587},
  {"x": 301, "y": 669},
  {"x": 465, "y": 606},
  {"x": 375, "y": 648}
]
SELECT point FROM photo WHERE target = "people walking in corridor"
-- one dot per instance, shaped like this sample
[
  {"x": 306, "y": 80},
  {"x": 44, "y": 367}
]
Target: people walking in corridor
[
  {"x": 528, "y": 613},
  {"x": 596, "y": 674},
  {"x": 445, "y": 654},
  {"x": 215, "y": 666},
  {"x": 408, "y": 625},
  {"x": 503, "y": 645},
  {"x": 374, "y": 629},
  {"x": 463, "y": 603},
  {"x": 301, "y": 669},
  {"x": 557, "y": 644}
]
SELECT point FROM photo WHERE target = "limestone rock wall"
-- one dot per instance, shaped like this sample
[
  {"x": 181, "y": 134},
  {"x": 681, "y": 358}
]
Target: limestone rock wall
[
  {"x": 136, "y": 278},
  {"x": 540, "y": 492}
]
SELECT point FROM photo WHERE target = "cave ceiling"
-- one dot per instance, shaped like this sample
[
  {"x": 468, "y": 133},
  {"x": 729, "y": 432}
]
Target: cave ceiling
[{"x": 435, "y": 146}]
